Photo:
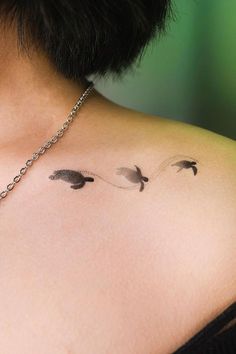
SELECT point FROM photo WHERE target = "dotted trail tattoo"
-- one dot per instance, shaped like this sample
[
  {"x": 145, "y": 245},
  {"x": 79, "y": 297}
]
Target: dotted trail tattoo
[{"x": 77, "y": 179}]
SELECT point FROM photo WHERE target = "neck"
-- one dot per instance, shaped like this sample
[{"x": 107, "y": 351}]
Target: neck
[{"x": 35, "y": 99}]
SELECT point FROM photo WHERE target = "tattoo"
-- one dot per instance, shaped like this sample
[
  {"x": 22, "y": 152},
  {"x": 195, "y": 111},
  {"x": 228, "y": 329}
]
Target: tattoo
[
  {"x": 186, "y": 164},
  {"x": 74, "y": 177},
  {"x": 135, "y": 176}
]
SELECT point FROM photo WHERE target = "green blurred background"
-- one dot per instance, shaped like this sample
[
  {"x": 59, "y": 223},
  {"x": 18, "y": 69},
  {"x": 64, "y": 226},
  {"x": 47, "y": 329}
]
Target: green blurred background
[{"x": 189, "y": 73}]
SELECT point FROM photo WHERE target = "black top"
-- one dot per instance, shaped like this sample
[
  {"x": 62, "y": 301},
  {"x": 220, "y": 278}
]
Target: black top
[{"x": 217, "y": 337}]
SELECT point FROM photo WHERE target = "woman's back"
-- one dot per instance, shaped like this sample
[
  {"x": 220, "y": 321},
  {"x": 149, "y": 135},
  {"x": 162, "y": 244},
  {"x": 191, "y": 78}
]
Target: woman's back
[{"x": 134, "y": 259}]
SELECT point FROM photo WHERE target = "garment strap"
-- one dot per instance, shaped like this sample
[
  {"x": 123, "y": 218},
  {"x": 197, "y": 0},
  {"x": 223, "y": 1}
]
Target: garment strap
[{"x": 207, "y": 332}]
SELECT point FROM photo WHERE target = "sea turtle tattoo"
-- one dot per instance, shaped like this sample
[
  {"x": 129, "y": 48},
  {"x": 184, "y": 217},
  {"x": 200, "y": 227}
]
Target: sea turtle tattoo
[
  {"x": 76, "y": 178},
  {"x": 134, "y": 176},
  {"x": 79, "y": 178},
  {"x": 186, "y": 164}
]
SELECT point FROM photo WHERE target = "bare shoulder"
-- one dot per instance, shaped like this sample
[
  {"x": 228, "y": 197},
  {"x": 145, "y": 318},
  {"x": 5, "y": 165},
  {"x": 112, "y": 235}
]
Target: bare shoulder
[
  {"x": 192, "y": 176},
  {"x": 163, "y": 141},
  {"x": 211, "y": 157},
  {"x": 188, "y": 212},
  {"x": 168, "y": 232},
  {"x": 187, "y": 176}
]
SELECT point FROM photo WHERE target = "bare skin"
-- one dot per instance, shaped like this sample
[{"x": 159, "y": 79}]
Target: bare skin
[{"x": 100, "y": 269}]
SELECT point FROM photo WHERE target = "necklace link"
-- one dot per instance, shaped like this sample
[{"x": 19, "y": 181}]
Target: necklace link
[{"x": 50, "y": 142}]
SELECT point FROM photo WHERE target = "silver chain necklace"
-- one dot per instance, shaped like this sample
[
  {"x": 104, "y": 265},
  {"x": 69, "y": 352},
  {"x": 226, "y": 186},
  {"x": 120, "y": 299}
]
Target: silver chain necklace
[{"x": 50, "y": 142}]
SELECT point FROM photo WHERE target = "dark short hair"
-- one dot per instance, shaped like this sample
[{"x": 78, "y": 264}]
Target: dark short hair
[{"x": 84, "y": 37}]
